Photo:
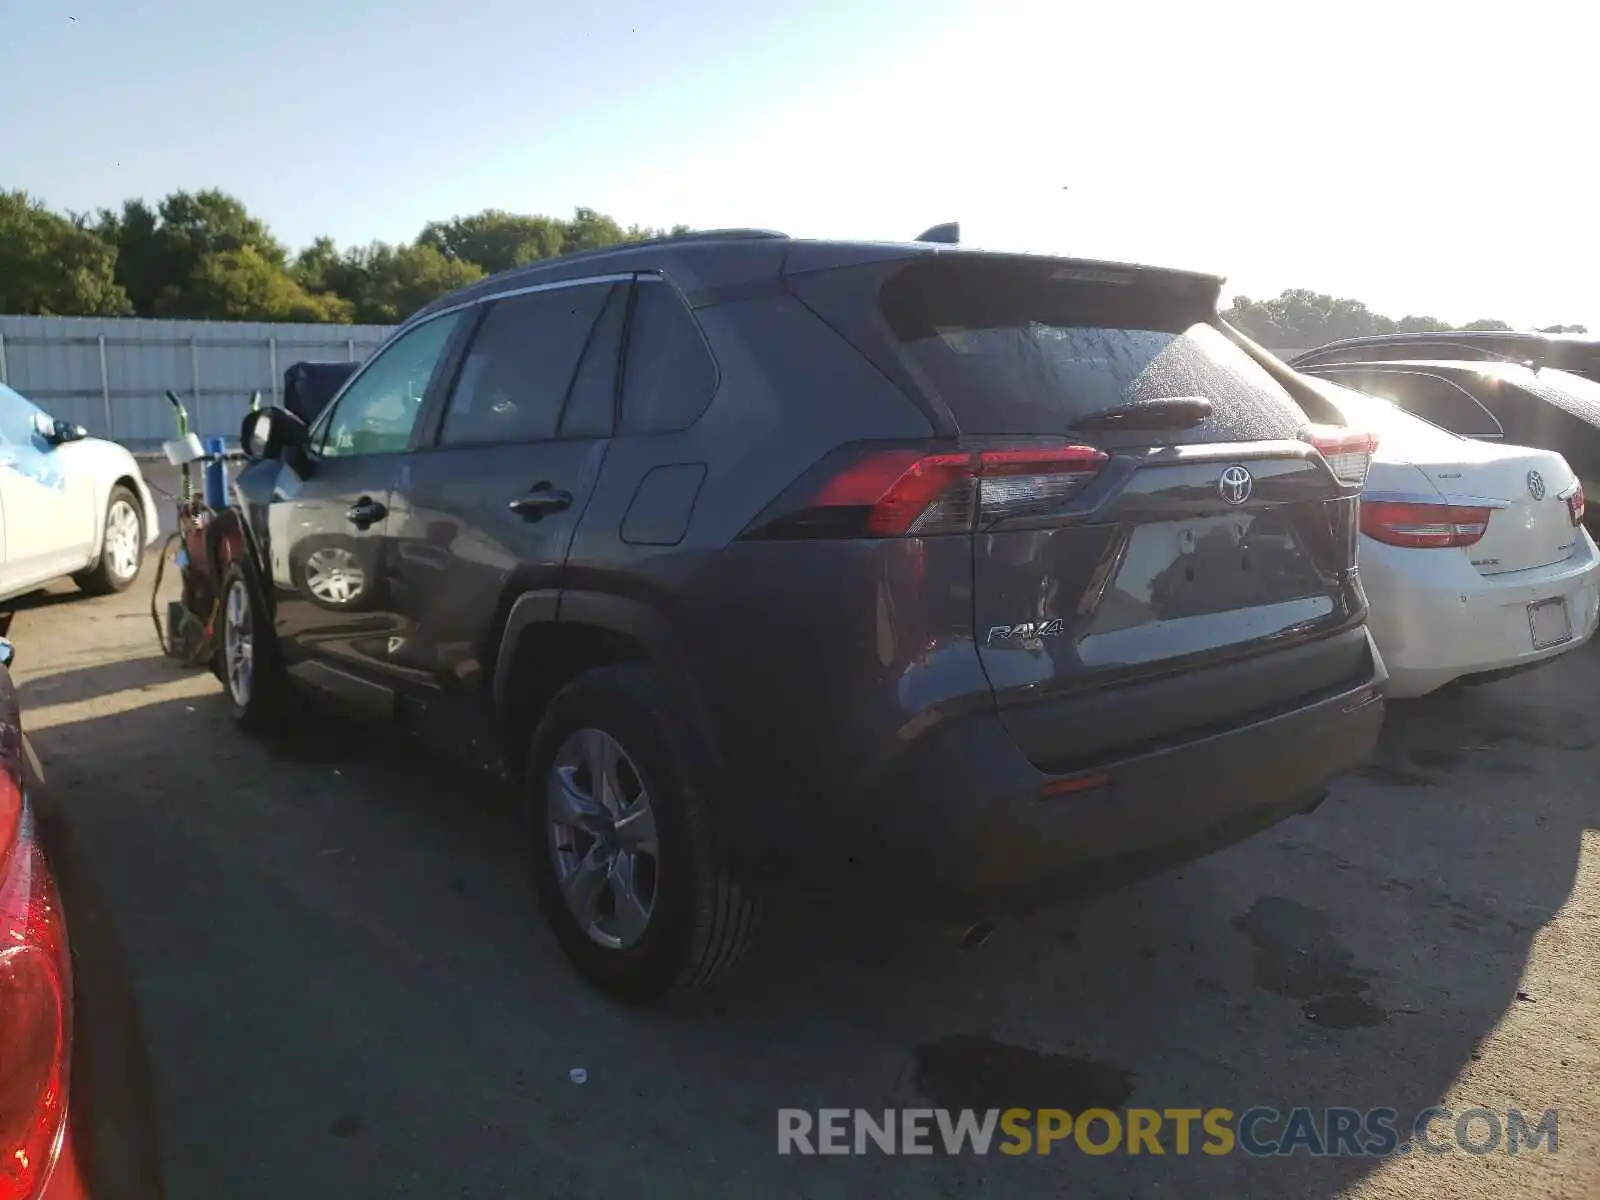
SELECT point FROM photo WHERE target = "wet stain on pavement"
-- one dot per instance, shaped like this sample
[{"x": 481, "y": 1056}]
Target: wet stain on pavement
[
  {"x": 1344, "y": 1012},
  {"x": 1298, "y": 954},
  {"x": 1436, "y": 758},
  {"x": 967, "y": 1071},
  {"x": 1507, "y": 767},
  {"x": 1547, "y": 727},
  {"x": 1422, "y": 745},
  {"x": 1394, "y": 776}
]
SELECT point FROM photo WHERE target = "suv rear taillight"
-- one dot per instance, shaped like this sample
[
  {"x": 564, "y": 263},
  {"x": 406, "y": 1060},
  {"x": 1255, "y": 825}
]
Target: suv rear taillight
[
  {"x": 1348, "y": 454},
  {"x": 914, "y": 493},
  {"x": 35, "y": 992},
  {"x": 1423, "y": 526},
  {"x": 1577, "y": 505}
]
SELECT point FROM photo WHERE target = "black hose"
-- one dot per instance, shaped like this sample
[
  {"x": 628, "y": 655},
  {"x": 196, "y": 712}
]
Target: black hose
[
  {"x": 203, "y": 644},
  {"x": 161, "y": 570}
]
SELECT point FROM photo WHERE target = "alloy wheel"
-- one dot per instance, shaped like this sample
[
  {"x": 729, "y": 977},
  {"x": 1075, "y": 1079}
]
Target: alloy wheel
[
  {"x": 238, "y": 643},
  {"x": 334, "y": 577},
  {"x": 602, "y": 838},
  {"x": 122, "y": 539}
]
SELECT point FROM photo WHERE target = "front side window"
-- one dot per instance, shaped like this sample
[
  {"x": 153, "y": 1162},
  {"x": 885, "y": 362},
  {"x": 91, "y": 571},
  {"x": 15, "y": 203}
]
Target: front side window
[
  {"x": 19, "y": 418},
  {"x": 23, "y": 447},
  {"x": 522, "y": 365},
  {"x": 377, "y": 412}
]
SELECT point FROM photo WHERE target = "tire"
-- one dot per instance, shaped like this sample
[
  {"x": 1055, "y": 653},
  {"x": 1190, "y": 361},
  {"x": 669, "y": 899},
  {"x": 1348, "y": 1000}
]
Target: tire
[
  {"x": 253, "y": 680},
  {"x": 121, "y": 546},
  {"x": 699, "y": 918}
]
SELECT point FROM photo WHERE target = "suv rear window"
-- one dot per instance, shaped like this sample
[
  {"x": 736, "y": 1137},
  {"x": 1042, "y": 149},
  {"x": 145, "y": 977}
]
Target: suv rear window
[{"x": 1019, "y": 348}]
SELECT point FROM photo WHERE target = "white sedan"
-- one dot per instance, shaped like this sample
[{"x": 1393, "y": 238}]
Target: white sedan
[
  {"x": 69, "y": 504},
  {"x": 1473, "y": 554}
]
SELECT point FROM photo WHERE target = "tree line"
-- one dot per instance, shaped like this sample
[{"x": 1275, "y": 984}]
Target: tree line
[
  {"x": 202, "y": 255},
  {"x": 1301, "y": 319}
]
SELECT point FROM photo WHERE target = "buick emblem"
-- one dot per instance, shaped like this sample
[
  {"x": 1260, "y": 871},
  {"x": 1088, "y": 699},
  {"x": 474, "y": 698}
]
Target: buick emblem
[
  {"x": 1236, "y": 485},
  {"x": 1536, "y": 485}
]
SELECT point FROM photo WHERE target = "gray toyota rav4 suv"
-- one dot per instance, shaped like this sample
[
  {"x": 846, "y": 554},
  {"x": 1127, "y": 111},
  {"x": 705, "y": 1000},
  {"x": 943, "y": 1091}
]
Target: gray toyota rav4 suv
[{"x": 997, "y": 576}]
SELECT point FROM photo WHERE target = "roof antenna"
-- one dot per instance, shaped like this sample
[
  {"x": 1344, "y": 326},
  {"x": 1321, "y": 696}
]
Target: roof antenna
[{"x": 949, "y": 233}]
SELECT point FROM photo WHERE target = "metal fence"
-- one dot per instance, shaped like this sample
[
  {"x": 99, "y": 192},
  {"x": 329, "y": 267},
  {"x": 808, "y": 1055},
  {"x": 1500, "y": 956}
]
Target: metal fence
[{"x": 111, "y": 375}]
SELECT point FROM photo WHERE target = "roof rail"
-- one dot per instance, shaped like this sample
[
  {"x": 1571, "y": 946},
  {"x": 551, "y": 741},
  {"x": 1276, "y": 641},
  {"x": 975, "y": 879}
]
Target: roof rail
[
  {"x": 671, "y": 239},
  {"x": 723, "y": 235},
  {"x": 1426, "y": 339}
]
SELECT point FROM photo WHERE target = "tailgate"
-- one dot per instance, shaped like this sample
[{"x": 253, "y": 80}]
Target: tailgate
[
  {"x": 1160, "y": 574},
  {"x": 1147, "y": 506}
]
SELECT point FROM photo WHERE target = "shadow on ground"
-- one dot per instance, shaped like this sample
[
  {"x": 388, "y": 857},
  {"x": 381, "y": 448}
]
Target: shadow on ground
[
  {"x": 91, "y": 683},
  {"x": 347, "y": 990},
  {"x": 45, "y": 597}
]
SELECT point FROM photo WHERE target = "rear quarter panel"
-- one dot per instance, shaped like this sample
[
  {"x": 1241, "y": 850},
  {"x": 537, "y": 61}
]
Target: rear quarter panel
[{"x": 815, "y": 655}]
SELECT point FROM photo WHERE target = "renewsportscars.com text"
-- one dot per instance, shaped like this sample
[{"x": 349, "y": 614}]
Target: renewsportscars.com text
[{"x": 1258, "y": 1132}]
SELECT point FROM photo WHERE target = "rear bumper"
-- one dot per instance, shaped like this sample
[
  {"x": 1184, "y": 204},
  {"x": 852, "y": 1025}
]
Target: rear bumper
[
  {"x": 967, "y": 816},
  {"x": 1436, "y": 619}
]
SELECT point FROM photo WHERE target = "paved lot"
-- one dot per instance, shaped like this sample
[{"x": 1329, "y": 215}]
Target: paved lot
[{"x": 346, "y": 991}]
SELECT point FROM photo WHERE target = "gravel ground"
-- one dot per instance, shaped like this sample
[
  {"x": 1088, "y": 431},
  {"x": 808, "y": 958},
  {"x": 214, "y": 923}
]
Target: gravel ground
[{"x": 346, "y": 992}]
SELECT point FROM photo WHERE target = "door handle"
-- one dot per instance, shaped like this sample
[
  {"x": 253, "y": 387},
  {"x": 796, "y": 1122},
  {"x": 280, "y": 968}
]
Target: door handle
[
  {"x": 539, "y": 501},
  {"x": 366, "y": 511}
]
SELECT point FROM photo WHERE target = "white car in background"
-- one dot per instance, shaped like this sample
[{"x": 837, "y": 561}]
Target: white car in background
[
  {"x": 69, "y": 504},
  {"x": 1473, "y": 554}
]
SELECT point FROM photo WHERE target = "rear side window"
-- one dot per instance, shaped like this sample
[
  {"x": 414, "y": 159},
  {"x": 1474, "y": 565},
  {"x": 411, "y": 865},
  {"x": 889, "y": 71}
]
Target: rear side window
[
  {"x": 669, "y": 378},
  {"x": 1033, "y": 349},
  {"x": 521, "y": 366},
  {"x": 1430, "y": 397},
  {"x": 591, "y": 405}
]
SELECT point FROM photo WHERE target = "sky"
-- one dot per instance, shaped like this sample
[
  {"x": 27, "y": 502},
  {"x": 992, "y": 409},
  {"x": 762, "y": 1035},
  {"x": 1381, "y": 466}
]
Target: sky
[{"x": 1424, "y": 156}]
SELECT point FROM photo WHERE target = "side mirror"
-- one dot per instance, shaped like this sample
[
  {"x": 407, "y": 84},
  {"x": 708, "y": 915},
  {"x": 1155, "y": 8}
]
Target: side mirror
[
  {"x": 268, "y": 432},
  {"x": 56, "y": 432}
]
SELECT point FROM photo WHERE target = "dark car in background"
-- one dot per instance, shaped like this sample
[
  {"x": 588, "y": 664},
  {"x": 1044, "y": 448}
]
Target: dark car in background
[
  {"x": 76, "y": 1110},
  {"x": 991, "y": 577},
  {"x": 1492, "y": 400},
  {"x": 1576, "y": 353},
  {"x": 308, "y": 386}
]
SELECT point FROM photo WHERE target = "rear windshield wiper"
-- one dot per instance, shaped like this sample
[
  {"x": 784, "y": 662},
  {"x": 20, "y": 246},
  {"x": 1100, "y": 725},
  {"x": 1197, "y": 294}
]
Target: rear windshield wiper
[{"x": 1172, "y": 412}]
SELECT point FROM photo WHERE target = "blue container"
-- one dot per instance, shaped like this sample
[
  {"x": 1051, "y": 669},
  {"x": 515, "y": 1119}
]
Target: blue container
[{"x": 216, "y": 472}]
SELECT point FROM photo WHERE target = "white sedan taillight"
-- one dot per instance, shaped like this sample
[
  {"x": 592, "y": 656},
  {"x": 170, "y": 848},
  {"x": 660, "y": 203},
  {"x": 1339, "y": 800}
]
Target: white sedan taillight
[{"x": 1423, "y": 526}]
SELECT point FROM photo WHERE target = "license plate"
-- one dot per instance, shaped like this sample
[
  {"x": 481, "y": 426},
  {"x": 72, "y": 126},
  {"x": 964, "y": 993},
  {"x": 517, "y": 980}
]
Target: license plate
[{"x": 1549, "y": 623}]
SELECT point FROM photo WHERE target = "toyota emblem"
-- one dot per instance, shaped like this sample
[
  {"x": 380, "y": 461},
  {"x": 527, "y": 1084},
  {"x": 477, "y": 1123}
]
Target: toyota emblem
[
  {"x": 1536, "y": 485},
  {"x": 1235, "y": 485}
]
